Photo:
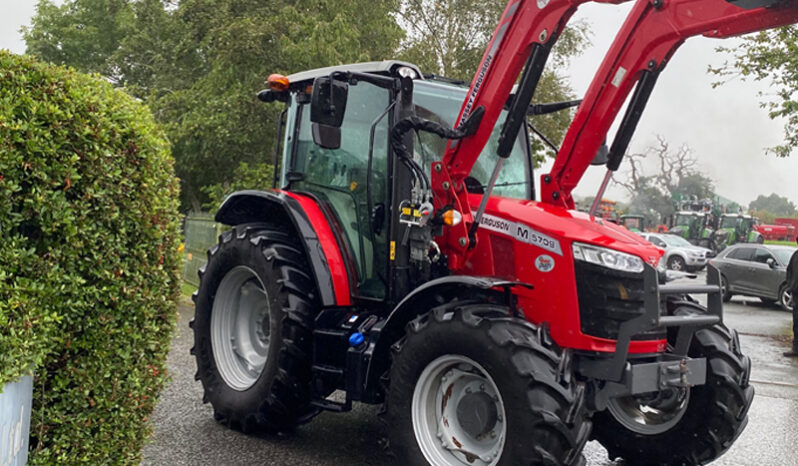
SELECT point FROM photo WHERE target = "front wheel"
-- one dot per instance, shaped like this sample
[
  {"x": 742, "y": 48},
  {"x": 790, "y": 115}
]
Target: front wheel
[
  {"x": 684, "y": 426},
  {"x": 471, "y": 386},
  {"x": 676, "y": 263},
  {"x": 786, "y": 298}
]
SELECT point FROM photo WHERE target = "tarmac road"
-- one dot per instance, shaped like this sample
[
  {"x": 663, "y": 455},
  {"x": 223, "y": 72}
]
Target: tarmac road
[{"x": 186, "y": 434}]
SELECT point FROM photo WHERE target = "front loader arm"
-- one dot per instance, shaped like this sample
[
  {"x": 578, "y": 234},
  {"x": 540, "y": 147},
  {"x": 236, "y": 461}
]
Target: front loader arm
[
  {"x": 523, "y": 25},
  {"x": 647, "y": 40},
  {"x": 527, "y": 28}
]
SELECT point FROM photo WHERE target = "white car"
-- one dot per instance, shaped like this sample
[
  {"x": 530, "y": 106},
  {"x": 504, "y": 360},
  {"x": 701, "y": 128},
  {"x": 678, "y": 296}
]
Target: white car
[{"x": 679, "y": 253}]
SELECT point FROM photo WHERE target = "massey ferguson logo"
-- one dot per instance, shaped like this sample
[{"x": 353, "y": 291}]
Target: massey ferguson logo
[
  {"x": 521, "y": 232},
  {"x": 544, "y": 263}
]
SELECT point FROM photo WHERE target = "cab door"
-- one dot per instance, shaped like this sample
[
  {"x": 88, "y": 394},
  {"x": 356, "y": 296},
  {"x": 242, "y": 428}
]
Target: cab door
[{"x": 350, "y": 182}]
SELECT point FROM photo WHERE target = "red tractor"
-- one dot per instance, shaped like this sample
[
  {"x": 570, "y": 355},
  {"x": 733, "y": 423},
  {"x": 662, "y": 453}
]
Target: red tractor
[{"x": 407, "y": 263}]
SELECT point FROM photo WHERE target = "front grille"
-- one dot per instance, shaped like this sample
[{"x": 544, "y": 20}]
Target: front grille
[{"x": 609, "y": 297}]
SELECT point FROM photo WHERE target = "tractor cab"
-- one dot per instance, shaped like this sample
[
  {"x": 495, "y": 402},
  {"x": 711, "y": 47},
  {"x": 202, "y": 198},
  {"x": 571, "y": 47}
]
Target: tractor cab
[
  {"x": 738, "y": 228},
  {"x": 694, "y": 227},
  {"x": 687, "y": 224},
  {"x": 349, "y": 173},
  {"x": 633, "y": 223}
]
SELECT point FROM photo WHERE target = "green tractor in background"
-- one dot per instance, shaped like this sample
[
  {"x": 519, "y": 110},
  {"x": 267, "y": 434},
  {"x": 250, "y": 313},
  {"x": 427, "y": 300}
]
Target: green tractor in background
[
  {"x": 695, "y": 227},
  {"x": 633, "y": 222},
  {"x": 736, "y": 228}
]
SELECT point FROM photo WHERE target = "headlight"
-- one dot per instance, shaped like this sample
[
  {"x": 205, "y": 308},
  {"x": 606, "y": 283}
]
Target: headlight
[
  {"x": 607, "y": 258},
  {"x": 695, "y": 254}
]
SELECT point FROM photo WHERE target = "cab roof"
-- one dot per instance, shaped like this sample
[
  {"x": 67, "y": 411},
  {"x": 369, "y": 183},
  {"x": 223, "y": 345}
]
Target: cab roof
[{"x": 386, "y": 67}]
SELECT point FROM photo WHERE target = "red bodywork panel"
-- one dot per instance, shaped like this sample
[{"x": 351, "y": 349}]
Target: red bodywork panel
[
  {"x": 554, "y": 297},
  {"x": 776, "y": 232},
  {"x": 789, "y": 222},
  {"x": 649, "y": 37},
  {"x": 647, "y": 40},
  {"x": 329, "y": 246}
]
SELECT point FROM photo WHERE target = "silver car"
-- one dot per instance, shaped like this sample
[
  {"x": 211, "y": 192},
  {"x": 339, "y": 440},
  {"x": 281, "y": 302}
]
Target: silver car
[
  {"x": 679, "y": 253},
  {"x": 756, "y": 270}
]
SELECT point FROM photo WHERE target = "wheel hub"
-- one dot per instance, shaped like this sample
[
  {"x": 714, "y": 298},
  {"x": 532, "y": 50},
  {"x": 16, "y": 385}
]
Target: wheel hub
[
  {"x": 458, "y": 414},
  {"x": 240, "y": 328},
  {"x": 477, "y": 414},
  {"x": 651, "y": 414}
]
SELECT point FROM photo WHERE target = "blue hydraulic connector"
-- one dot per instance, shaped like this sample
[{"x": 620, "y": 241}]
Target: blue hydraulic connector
[{"x": 356, "y": 339}]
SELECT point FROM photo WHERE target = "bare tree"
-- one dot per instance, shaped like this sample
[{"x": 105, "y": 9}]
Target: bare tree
[
  {"x": 673, "y": 167},
  {"x": 676, "y": 176},
  {"x": 633, "y": 180}
]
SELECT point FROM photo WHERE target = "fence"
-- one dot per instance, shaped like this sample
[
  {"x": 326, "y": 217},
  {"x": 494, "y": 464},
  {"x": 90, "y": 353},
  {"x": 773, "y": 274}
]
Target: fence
[
  {"x": 201, "y": 232},
  {"x": 15, "y": 406}
]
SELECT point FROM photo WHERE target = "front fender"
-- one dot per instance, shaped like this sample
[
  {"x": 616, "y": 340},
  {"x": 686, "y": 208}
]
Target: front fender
[{"x": 422, "y": 300}]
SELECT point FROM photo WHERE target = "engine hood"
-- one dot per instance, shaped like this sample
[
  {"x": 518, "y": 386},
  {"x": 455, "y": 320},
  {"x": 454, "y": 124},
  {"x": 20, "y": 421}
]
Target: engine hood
[{"x": 565, "y": 226}]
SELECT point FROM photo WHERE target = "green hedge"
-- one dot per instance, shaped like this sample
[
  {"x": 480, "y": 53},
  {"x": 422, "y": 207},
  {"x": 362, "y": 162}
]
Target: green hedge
[{"x": 89, "y": 264}]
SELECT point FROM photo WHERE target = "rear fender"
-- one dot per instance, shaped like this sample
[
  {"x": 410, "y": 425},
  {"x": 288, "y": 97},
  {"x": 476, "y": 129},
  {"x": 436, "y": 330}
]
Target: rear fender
[
  {"x": 306, "y": 220},
  {"x": 422, "y": 300}
]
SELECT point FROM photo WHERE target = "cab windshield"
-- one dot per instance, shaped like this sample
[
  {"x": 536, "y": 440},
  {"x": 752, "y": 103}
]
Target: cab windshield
[
  {"x": 441, "y": 103},
  {"x": 685, "y": 220},
  {"x": 729, "y": 222},
  {"x": 633, "y": 222}
]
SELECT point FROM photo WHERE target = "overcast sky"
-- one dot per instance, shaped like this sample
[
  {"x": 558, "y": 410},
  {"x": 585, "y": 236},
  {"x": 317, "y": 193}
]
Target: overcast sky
[{"x": 725, "y": 126}]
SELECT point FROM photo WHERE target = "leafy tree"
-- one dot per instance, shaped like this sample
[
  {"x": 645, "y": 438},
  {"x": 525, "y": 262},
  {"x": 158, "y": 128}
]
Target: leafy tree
[
  {"x": 695, "y": 184},
  {"x": 199, "y": 63},
  {"x": 767, "y": 218},
  {"x": 778, "y": 205},
  {"x": 449, "y": 37},
  {"x": 245, "y": 177},
  {"x": 770, "y": 55},
  {"x": 80, "y": 33}
]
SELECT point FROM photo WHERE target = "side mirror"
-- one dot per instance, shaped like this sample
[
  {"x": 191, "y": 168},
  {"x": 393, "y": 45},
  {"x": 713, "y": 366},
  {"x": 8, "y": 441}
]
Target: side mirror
[
  {"x": 771, "y": 263},
  {"x": 327, "y": 108},
  {"x": 602, "y": 156}
]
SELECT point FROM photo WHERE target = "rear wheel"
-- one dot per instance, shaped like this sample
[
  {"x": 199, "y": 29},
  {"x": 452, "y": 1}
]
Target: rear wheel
[
  {"x": 470, "y": 385},
  {"x": 252, "y": 330},
  {"x": 684, "y": 426},
  {"x": 786, "y": 298},
  {"x": 724, "y": 289}
]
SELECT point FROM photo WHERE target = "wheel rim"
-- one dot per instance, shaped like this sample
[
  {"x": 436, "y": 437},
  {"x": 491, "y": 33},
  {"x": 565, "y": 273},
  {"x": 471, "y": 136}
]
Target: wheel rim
[
  {"x": 458, "y": 413},
  {"x": 240, "y": 328},
  {"x": 651, "y": 415},
  {"x": 786, "y": 298},
  {"x": 723, "y": 286},
  {"x": 676, "y": 264}
]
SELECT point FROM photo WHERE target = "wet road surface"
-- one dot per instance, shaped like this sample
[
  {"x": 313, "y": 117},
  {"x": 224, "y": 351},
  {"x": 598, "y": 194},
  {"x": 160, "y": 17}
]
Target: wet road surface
[{"x": 186, "y": 434}]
